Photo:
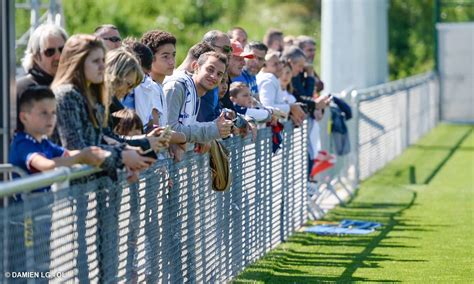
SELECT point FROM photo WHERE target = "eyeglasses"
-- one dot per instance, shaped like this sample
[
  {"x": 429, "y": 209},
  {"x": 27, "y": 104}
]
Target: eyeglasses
[
  {"x": 49, "y": 52},
  {"x": 225, "y": 48},
  {"x": 113, "y": 39}
]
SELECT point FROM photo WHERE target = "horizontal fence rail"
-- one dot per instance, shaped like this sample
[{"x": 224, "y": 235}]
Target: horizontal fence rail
[
  {"x": 169, "y": 227},
  {"x": 391, "y": 117},
  {"x": 386, "y": 119}
]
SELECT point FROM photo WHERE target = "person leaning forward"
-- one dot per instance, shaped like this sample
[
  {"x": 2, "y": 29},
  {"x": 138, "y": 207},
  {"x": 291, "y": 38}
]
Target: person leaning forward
[{"x": 183, "y": 92}]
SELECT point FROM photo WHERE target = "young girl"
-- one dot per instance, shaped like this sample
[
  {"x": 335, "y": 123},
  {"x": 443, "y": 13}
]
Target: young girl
[
  {"x": 285, "y": 83},
  {"x": 83, "y": 104}
]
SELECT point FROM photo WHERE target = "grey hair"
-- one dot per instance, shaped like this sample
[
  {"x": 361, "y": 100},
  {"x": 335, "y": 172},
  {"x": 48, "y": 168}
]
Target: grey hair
[
  {"x": 37, "y": 42},
  {"x": 292, "y": 53},
  {"x": 211, "y": 36},
  {"x": 256, "y": 45},
  {"x": 303, "y": 40}
]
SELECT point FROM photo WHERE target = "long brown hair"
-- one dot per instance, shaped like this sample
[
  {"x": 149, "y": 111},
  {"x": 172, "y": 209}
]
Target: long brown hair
[{"x": 71, "y": 71}]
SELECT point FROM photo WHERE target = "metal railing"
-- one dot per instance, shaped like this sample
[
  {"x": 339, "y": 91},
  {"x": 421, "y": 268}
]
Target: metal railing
[
  {"x": 169, "y": 227},
  {"x": 154, "y": 231},
  {"x": 386, "y": 120}
]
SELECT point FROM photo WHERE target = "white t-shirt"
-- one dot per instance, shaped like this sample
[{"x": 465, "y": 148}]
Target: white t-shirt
[
  {"x": 288, "y": 98},
  {"x": 148, "y": 96},
  {"x": 270, "y": 92}
]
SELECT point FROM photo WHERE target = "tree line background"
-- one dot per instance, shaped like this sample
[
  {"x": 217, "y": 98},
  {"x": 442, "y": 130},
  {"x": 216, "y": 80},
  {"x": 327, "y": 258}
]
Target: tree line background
[{"x": 411, "y": 34}]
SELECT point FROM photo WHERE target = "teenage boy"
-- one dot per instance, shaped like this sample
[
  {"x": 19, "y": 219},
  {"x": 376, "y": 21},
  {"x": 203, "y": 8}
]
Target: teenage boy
[
  {"x": 220, "y": 42},
  {"x": 183, "y": 92},
  {"x": 31, "y": 150},
  {"x": 163, "y": 47},
  {"x": 148, "y": 98}
]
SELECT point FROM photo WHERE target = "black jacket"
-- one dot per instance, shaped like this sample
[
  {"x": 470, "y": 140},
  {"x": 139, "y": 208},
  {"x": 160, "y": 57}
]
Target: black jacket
[{"x": 35, "y": 76}]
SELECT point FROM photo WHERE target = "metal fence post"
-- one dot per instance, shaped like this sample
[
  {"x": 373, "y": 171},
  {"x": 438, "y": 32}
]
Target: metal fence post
[
  {"x": 355, "y": 100},
  {"x": 407, "y": 117}
]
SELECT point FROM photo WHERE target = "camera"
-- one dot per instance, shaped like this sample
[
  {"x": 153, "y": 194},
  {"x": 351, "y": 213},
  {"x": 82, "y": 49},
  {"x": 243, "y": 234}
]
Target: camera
[{"x": 238, "y": 120}]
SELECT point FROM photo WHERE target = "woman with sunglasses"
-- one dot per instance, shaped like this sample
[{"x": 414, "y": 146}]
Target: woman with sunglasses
[
  {"x": 41, "y": 57},
  {"x": 83, "y": 104}
]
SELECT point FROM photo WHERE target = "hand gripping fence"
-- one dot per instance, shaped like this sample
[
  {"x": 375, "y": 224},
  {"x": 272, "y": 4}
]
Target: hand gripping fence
[{"x": 96, "y": 230}]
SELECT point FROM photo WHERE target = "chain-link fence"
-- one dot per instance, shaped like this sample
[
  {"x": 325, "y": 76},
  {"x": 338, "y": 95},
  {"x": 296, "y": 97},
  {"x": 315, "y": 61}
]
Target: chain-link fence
[
  {"x": 386, "y": 120},
  {"x": 392, "y": 117},
  {"x": 169, "y": 227}
]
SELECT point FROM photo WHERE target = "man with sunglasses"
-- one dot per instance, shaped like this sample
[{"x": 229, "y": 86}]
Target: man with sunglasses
[
  {"x": 110, "y": 34},
  {"x": 41, "y": 58}
]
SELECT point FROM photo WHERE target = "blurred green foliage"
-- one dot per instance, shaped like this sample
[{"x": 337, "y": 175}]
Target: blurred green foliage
[
  {"x": 411, "y": 32},
  {"x": 188, "y": 20},
  {"x": 411, "y": 35}
]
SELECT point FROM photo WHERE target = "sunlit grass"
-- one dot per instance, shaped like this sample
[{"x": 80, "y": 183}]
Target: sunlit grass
[{"x": 424, "y": 199}]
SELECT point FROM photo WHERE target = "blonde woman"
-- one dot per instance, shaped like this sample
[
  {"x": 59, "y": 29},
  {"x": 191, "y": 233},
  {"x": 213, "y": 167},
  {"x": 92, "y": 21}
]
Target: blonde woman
[{"x": 122, "y": 74}]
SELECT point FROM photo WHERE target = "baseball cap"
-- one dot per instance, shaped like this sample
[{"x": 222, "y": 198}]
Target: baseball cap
[{"x": 237, "y": 50}]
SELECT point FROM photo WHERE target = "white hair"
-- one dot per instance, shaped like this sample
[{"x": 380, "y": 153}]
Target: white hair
[{"x": 37, "y": 42}]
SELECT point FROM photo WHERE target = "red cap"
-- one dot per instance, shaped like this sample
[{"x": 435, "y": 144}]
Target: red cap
[{"x": 237, "y": 50}]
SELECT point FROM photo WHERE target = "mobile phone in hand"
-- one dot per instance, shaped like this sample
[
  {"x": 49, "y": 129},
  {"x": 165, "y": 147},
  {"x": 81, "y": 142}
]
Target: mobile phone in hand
[
  {"x": 149, "y": 153},
  {"x": 166, "y": 131}
]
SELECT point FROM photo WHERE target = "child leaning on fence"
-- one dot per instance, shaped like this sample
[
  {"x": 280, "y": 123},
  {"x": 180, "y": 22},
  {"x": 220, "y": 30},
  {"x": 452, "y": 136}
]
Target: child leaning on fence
[
  {"x": 242, "y": 99},
  {"x": 31, "y": 150}
]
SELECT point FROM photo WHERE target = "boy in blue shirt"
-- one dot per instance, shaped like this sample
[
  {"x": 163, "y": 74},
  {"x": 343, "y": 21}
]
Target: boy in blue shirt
[{"x": 31, "y": 150}]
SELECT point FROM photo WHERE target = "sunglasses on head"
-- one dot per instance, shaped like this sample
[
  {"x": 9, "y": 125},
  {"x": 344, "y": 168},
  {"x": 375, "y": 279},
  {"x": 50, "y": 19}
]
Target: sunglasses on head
[
  {"x": 113, "y": 39},
  {"x": 48, "y": 52},
  {"x": 225, "y": 48}
]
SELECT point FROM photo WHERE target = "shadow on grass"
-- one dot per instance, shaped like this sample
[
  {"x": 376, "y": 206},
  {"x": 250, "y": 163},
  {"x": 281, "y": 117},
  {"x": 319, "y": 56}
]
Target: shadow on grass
[
  {"x": 450, "y": 154},
  {"x": 291, "y": 262},
  {"x": 413, "y": 174},
  {"x": 308, "y": 258}
]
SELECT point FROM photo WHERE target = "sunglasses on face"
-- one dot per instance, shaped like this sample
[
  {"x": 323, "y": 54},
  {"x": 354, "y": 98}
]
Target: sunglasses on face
[
  {"x": 225, "y": 48},
  {"x": 113, "y": 39},
  {"x": 48, "y": 52}
]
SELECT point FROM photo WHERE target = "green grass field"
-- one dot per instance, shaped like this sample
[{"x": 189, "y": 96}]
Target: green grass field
[{"x": 424, "y": 199}]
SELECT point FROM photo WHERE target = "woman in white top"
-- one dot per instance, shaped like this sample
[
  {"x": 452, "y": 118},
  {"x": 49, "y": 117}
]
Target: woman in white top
[
  {"x": 270, "y": 92},
  {"x": 285, "y": 83}
]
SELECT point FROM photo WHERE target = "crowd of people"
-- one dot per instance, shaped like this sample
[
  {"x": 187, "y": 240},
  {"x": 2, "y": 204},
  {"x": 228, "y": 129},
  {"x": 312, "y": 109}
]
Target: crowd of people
[{"x": 116, "y": 103}]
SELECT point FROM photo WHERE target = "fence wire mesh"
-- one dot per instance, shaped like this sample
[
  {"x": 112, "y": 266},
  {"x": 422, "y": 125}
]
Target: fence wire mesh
[
  {"x": 170, "y": 226},
  {"x": 386, "y": 119},
  {"x": 393, "y": 117}
]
